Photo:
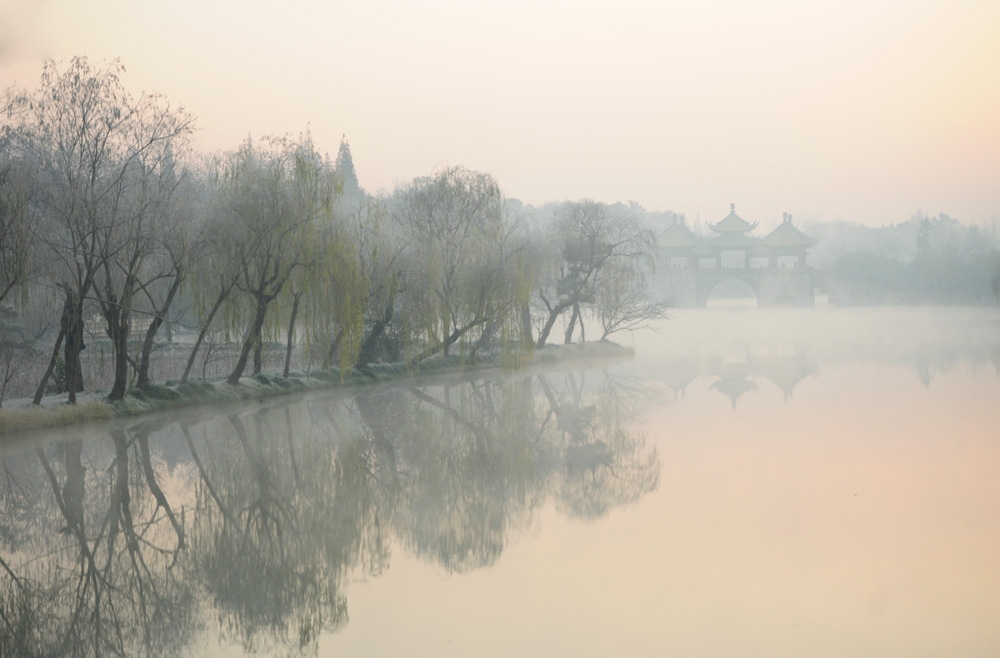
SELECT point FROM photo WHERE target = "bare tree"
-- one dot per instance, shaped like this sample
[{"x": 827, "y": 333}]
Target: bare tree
[
  {"x": 590, "y": 246},
  {"x": 624, "y": 302},
  {"x": 100, "y": 154},
  {"x": 169, "y": 263}
]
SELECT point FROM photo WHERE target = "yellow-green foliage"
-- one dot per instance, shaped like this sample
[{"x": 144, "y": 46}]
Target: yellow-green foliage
[{"x": 20, "y": 419}]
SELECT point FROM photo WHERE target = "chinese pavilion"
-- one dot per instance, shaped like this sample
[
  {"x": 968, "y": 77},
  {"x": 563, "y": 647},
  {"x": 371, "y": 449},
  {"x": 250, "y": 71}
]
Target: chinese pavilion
[{"x": 773, "y": 265}]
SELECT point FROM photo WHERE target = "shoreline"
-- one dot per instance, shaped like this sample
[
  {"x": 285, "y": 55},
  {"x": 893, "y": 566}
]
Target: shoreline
[{"x": 20, "y": 417}]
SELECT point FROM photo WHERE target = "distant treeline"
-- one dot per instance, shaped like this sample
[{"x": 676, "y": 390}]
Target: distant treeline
[
  {"x": 113, "y": 231},
  {"x": 924, "y": 260}
]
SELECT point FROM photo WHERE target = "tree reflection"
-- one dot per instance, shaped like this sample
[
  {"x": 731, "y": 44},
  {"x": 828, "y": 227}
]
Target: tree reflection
[
  {"x": 481, "y": 456},
  {"x": 260, "y": 519},
  {"x": 259, "y": 540},
  {"x": 604, "y": 463},
  {"x": 97, "y": 578},
  {"x": 469, "y": 479}
]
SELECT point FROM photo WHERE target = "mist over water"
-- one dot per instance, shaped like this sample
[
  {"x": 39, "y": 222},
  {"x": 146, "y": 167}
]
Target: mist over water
[
  {"x": 778, "y": 482},
  {"x": 751, "y": 479}
]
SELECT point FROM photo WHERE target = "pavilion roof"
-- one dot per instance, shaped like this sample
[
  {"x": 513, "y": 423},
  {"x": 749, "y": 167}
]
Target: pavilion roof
[
  {"x": 787, "y": 235},
  {"x": 733, "y": 223},
  {"x": 786, "y": 372},
  {"x": 733, "y": 388},
  {"x": 733, "y": 240},
  {"x": 677, "y": 235}
]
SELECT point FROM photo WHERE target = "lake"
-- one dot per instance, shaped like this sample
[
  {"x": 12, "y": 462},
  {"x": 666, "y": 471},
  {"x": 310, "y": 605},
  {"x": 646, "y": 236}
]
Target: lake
[{"x": 752, "y": 482}]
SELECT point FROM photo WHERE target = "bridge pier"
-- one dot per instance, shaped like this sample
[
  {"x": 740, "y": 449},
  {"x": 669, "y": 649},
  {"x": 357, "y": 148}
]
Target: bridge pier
[{"x": 790, "y": 287}]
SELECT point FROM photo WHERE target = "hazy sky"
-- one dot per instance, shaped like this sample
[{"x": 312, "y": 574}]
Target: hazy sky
[{"x": 865, "y": 110}]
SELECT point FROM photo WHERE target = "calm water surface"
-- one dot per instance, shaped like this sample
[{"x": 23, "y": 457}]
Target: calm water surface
[{"x": 752, "y": 483}]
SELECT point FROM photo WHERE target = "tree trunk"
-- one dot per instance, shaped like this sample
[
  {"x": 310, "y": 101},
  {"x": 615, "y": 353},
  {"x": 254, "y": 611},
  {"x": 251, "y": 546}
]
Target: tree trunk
[
  {"x": 142, "y": 381},
  {"x": 40, "y": 391},
  {"x": 72, "y": 325},
  {"x": 334, "y": 346},
  {"x": 485, "y": 340},
  {"x": 118, "y": 325},
  {"x": 526, "y": 322},
  {"x": 572, "y": 325},
  {"x": 554, "y": 314},
  {"x": 253, "y": 336},
  {"x": 440, "y": 347},
  {"x": 258, "y": 354},
  {"x": 367, "y": 352},
  {"x": 291, "y": 332},
  {"x": 449, "y": 340},
  {"x": 117, "y": 313},
  {"x": 223, "y": 294},
  {"x": 142, "y": 377}
]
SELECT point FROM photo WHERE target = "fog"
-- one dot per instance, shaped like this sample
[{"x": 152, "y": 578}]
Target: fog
[
  {"x": 779, "y": 481},
  {"x": 560, "y": 330},
  {"x": 271, "y": 256},
  {"x": 859, "y": 111}
]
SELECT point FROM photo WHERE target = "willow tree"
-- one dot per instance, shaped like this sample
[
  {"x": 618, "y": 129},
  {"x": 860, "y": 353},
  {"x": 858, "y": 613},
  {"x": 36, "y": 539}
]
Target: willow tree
[
  {"x": 18, "y": 215},
  {"x": 214, "y": 272},
  {"x": 465, "y": 283},
  {"x": 324, "y": 290},
  {"x": 266, "y": 204},
  {"x": 380, "y": 258},
  {"x": 100, "y": 150}
]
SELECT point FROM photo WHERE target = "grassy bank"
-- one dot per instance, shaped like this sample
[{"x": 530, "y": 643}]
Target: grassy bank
[
  {"x": 54, "y": 412},
  {"x": 29, "y": 417}
]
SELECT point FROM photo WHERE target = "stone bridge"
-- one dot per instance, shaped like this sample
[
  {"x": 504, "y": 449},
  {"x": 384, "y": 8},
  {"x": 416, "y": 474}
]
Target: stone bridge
[
  {"x": 772, "y": 287},
  {"x": 690, "y": 265}
]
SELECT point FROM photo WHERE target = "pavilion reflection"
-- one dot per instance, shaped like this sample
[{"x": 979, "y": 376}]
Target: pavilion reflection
[{"x": 739, "y": 370}]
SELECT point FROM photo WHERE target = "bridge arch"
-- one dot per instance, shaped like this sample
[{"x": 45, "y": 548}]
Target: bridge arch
[{"x": 728, "y": 281}]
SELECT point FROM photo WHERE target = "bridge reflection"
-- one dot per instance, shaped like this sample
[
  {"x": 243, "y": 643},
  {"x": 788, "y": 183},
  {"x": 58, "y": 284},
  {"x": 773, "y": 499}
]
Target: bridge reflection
[
  {"x": 734, "y": 376},
  {"x": 738, "y": 354}
]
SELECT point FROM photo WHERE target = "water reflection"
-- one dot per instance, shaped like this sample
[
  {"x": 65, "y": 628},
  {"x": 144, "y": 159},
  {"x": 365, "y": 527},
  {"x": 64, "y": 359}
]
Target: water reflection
[
  {"x": 737, "y": 355},
  {"x": 736, "y": 377},
  {"x": 252, "y": 524},
  {"x": 856, "y": 513},
  {"x": 92, "y": 546}
]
